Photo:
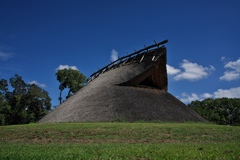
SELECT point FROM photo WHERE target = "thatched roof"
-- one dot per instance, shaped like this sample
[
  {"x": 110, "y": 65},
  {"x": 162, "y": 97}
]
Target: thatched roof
[{"x": 132, "y": 88}]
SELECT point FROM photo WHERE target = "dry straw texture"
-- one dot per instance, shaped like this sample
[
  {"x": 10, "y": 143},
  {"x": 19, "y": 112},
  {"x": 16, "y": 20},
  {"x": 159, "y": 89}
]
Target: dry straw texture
[{"x": 133, "y": 90}]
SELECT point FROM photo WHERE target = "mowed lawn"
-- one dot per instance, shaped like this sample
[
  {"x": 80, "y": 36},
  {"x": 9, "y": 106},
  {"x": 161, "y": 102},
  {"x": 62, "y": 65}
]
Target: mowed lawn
[{"x": 120, "y": 141}]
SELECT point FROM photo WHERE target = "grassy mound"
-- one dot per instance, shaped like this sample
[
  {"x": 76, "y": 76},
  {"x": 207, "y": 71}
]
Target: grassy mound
[{"x": 120, "y": 141}]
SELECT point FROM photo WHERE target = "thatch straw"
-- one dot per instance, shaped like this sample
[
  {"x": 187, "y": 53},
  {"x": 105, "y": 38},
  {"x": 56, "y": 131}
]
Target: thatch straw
[{"x": 130, "y": 91}]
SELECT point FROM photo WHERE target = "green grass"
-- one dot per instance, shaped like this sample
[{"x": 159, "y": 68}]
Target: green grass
[{"x": 120, "y": 141}]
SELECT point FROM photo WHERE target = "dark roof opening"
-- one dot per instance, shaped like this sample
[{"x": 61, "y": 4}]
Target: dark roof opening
[{"x": 149, "y": 82}]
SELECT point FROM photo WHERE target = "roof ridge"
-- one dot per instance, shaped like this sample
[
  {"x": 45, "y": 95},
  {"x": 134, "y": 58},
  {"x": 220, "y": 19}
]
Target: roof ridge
[{"x": 125, "y": 59}]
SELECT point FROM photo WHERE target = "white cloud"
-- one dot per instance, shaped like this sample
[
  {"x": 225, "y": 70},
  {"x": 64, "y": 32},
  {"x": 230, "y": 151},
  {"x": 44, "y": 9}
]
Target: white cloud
[
  {"x": 60, "y": 67},
  {"x": 37, "y": 83},
  {"x": 223, "y": 58},
  {"x": 193, "y": 71},
  {"x": 114, "y": 55},
  {"x": 206, "y": 95},
  {"x": 220, "y": 93},
  {"x": 5, "y": 55},
  {"x": 171, "y": 70},
  {"x": 232, "y": 74},
  {"x": 234, "y": 65},
  {"x": 187, "y": 98},
  {"x": 229, "y": 93}
]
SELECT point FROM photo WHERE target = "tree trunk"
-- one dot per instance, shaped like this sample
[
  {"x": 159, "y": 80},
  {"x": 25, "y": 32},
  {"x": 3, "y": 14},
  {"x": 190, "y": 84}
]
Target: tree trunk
[{"x": 60, "y": 97}]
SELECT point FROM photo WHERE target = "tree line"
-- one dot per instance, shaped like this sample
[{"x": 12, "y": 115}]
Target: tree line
[{"x": 225, "y": 111}]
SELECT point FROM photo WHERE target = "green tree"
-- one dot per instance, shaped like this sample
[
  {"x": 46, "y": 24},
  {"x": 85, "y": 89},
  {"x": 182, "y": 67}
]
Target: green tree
[
  {"x": 26, "y": 103},
  {"x": 71, "y": 79},
  {"x": 36, "y": 103},
  {"x": 16, "y": 101},
  {"x": 3, "y": 86},
  {"x": 18, "y": 84},
  {"x": 4, "y": 105},
  {"x": 220, "y": 110}
]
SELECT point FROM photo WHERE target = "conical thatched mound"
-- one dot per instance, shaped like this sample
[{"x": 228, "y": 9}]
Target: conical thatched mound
[{"x": 132, "y": 88}]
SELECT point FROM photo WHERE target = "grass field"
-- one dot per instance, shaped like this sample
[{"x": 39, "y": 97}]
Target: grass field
[{"x": 120, "y": 141}]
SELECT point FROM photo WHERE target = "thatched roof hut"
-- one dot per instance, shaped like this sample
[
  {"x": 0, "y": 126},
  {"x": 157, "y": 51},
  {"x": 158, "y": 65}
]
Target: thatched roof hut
[{"x": 133, "y": 88}]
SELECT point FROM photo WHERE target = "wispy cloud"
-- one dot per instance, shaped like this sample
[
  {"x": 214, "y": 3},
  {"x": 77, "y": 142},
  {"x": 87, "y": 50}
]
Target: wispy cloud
[
  {"x": 191, "y": 71},
  {"x": 114, "y": 55},
  {"x": 220, "y": 93},
  {"x": 5, "y": 55},
  {"x": 223, "y": 58},
  {"x": 60, "y": 67},
  {"x": 234, "y": 71},
  {"x": 37, "y": 83}
]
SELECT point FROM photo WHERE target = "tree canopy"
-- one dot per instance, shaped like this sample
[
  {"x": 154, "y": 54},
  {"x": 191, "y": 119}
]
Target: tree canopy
[
  {"x": 71, "y": 79},
  {"x": 220, "y": 110},
  {"x": 24, "y": 104}
]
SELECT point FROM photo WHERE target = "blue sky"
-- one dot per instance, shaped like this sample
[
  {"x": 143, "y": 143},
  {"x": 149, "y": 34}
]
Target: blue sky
[{"x": 39, "y": 36}]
